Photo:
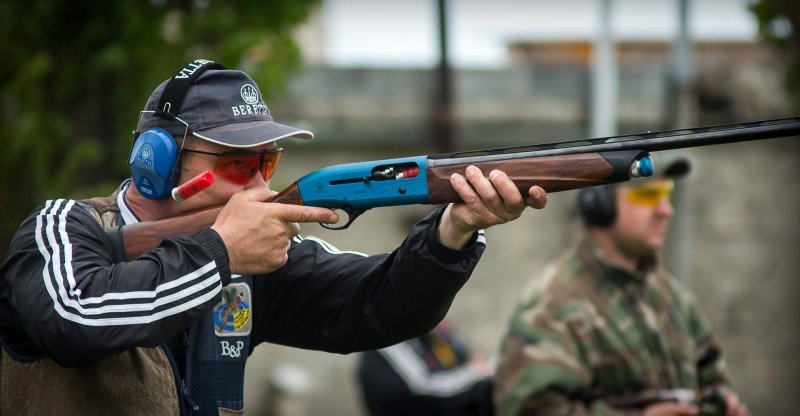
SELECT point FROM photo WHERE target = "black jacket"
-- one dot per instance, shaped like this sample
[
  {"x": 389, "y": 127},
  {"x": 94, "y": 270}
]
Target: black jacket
[{"x": 63, "y": 296}]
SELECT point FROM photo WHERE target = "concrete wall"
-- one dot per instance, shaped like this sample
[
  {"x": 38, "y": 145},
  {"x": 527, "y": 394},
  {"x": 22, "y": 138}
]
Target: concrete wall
[{"x": 740, "y": 239}]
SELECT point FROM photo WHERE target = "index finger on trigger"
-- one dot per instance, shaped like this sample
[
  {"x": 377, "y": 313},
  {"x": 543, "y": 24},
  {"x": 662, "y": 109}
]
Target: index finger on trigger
[{"x": 300, "y": 213}]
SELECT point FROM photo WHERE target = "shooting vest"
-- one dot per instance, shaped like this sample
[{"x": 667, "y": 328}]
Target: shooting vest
[
  {"x": 142, "y": 381},
  {"x": 134, "y": 382}
]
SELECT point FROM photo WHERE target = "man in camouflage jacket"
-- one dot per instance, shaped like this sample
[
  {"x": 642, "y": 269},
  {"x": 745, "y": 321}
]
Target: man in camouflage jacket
[{"x": 605, "y": 330}]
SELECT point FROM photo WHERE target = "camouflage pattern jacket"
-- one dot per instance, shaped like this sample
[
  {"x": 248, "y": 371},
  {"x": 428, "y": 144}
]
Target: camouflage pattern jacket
[{"x": 587, "y": 331}]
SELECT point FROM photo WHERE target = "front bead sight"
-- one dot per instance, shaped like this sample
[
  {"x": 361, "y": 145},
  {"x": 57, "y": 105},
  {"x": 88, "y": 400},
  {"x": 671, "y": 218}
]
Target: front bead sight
[{"x": 643, "y": 167}]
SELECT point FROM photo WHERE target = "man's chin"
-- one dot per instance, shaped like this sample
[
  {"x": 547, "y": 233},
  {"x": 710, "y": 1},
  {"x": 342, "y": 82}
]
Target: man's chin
[{"x": 654, "y": 244}]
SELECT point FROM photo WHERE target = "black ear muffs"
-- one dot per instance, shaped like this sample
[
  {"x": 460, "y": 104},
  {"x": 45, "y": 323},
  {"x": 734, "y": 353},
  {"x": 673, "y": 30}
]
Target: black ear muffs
[
  {"x": 155, "y": 153},
  {"x": 598, "y": 205}
]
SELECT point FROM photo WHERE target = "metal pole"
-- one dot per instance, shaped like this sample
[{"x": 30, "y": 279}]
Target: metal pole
[
  {"x": 604, "y": 77},
  {"x": 684, "y": 113},
  {"x": 678, "y": 247},
  {"x": 442, "y": 123}
]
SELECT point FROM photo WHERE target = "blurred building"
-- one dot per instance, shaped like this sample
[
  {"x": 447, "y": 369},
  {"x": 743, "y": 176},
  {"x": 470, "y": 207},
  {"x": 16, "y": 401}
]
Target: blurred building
[{"x": 542, "y": 95}]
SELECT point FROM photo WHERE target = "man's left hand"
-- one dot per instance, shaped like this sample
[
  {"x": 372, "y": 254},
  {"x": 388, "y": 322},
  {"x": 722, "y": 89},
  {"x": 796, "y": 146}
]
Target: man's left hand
[{"x": 487, "y": 202}]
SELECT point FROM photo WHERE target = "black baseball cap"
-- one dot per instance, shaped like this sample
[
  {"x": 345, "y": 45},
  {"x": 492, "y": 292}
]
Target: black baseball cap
[
  {"x": 671, "y": 164},
  {"x": 222, "y": 106}
]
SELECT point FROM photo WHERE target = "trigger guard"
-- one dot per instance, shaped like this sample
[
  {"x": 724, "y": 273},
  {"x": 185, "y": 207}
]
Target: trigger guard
[{"x": 352, "y": 214}]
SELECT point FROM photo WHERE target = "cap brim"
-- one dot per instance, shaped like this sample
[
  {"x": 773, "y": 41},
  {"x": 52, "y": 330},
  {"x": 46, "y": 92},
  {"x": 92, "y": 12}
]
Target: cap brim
[
  {"x": 251, "y": 133},
  {"x": 677, "y": 168}
]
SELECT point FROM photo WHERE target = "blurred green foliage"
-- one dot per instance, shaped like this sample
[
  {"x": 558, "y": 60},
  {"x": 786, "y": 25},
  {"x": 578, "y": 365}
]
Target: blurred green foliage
[
  {"x": 75, "y": 74},
  {"x": 779, "y": 24}
]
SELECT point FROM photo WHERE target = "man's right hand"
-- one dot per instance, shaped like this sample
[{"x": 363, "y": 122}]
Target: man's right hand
[{"x": 258, "y": 234}]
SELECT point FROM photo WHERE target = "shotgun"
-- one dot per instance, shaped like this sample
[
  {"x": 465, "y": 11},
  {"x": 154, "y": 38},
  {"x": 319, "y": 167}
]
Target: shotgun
[{"x": 357, "y": 187}]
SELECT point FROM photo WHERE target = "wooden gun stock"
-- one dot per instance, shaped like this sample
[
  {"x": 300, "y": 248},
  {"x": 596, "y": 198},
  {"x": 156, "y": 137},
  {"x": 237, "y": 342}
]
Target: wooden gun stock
[
  {"x": 144, "y": 236},
  {"x": 552, "y": 173}
]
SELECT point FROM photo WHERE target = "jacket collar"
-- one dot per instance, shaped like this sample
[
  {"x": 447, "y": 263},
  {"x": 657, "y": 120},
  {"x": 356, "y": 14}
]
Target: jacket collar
[{"x": 595, "y": 257}]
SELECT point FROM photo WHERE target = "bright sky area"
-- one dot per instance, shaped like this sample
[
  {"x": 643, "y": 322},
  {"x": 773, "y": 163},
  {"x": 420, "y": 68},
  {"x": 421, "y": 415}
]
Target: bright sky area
[{"x": 389, "y": 33}]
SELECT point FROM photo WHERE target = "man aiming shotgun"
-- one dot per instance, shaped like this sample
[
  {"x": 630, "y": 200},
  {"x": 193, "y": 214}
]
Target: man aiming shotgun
[{"x": 86, "y": 330}]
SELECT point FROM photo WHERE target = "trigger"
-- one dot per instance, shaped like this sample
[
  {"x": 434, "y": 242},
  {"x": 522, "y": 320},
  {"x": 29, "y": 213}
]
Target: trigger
[{"x": 352, "y": 214}]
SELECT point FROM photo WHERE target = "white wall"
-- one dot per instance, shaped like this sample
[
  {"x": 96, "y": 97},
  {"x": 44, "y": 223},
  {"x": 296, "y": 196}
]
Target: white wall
[{"x": 386, "y": 33}]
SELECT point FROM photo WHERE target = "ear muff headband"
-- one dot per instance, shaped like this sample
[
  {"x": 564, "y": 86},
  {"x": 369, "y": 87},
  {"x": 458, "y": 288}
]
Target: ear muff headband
[
  {"x": 155, "y": 153},
  {"x": 169, "y": 106}
]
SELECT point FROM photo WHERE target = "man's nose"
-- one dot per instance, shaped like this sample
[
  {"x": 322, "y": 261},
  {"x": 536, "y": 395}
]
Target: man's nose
[
  {"x": 255, "y": 180},
  {"x": 664, "y": 208}
]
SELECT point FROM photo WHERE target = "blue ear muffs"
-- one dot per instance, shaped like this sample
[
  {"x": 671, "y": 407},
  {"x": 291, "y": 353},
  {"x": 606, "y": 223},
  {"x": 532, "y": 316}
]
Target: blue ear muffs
[
  {"x": 153, "y": 163},
  {"x": 155, "y": 154}
]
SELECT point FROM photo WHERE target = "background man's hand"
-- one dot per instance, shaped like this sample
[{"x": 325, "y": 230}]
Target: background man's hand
[
  {"x": 487, "y": 202},
  {"x": 734, "y": 406},
  {"x": 670, "y": 409},
  {"x": 257, "y": 234}
]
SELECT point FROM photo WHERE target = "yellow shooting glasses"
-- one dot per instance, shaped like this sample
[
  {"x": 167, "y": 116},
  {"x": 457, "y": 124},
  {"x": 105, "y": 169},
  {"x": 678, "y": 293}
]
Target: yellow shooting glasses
[{"x": 650, "y": 193}]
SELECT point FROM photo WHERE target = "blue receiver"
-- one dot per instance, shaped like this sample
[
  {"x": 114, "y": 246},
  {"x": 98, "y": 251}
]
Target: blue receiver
[
  {"x": 152, "y": 161},
  {"x": 367, "y": 184}
]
